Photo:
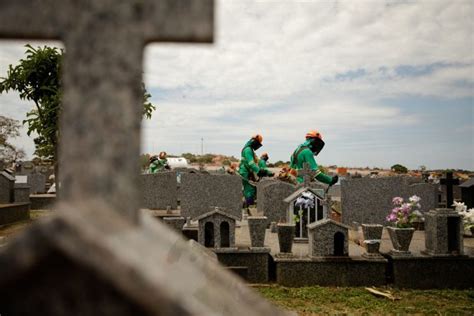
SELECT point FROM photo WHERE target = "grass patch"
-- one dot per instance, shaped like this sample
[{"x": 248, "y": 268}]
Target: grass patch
[{"x": 358, "y": 301}]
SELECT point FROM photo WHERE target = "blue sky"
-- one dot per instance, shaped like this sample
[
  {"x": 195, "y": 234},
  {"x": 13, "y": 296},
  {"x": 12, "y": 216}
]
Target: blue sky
[{"x": 385, "y": 82}]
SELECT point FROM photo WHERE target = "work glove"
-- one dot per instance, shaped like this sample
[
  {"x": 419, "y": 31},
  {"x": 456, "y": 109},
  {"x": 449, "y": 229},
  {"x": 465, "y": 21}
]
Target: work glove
[
  {"x": 261, "y": 173},
  {"x": 334, "y": 180}
]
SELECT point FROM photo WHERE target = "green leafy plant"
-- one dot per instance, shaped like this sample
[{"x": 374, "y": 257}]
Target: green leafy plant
[{"x": 37, "y": 78}]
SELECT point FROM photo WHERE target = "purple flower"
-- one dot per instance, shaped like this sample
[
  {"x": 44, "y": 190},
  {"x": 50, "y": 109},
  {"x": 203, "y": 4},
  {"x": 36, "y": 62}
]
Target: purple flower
[
  {"x": 405, "y": 208},
  {"x": 397, "y": 200}
]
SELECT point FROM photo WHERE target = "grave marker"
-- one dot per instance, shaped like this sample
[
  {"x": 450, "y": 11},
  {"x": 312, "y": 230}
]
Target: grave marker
[
  {"x": 449, "y": 182},
  {"x": 100, "y": 126},
  {"x": 201, "y": 193},
  {"x": 102, "y": 82},
  {"x": 307, "y": 174}
]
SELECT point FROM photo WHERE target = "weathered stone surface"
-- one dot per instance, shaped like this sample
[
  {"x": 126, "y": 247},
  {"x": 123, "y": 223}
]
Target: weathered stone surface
[
  {"x": 369, "y": 200},
  {"x": 372, "y": 238},
  {"x": 443, "y": 233},
  {"x": 255, "y": 260},
  {"x": 372, "y": 231},
  {"x": 330, "y": 272},
  {"x": 216, "y": 229},
  {"x": 328, "y": 238},
  {"x": 176, "y": 223},
  {"x": 270, "y": 199},
  {"x": 286, "y": 233},
  {"x": 22, "y": 192},
  {"x": 257, "y": 227},
  {"x": 159, "y": 190},
  {"x": 10, "y": 213},
  {"x": 421, "y": 272},
  {"x": 7, "y": 182},
  {"x": 102, "y": 86},
  {"x": 149, "y": 270},
  {"x": 169, "y": 277},
  {"x": 42, "y": 201},
  {"x": 401, "y": 239},
  {"x": 37, "y": 181},
  {"x": 201, "y": 193},
  {"x": 263, "y": 182}
]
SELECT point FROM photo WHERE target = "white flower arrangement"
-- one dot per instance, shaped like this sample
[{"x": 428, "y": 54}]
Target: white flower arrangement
[{"x": 467, "y": 215}]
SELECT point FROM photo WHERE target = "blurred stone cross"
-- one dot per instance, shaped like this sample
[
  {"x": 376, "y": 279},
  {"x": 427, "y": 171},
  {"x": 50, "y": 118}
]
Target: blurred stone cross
[
  {"x": 449, "y": 182},
  {"x": 307, "y": 174},
  {"x": 102, "y": 80}
]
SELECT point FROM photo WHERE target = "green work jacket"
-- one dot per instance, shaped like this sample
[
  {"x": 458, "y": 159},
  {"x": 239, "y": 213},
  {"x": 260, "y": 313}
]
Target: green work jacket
[{"x": 305, "y": 155}]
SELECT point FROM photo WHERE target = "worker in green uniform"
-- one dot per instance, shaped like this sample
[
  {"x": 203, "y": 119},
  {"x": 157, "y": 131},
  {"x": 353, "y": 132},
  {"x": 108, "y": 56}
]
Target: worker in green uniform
[
  {"x": 305, "y": 153},
  {"x": 262, "y": 163},
  {"x": 159, "y": 163},
  {"x": 249, "y": 169}
]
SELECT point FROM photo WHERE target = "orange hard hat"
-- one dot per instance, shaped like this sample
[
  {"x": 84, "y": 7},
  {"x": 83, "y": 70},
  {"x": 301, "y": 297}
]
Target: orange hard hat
[
  {"x": 258, "y": 137},
  {"x": 314, "y": 134}
]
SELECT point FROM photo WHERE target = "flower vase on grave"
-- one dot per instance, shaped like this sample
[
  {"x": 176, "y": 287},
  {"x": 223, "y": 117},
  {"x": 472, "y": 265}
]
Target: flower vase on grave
[
  {"x": 401, "y": 239},
  {"x": 257, "y": 227},
  {"x": 372, "y": 238},
  {"x": 286, "y": 233}
]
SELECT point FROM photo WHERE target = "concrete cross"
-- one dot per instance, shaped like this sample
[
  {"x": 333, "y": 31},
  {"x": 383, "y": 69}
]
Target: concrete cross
[
  {"x": 102, "y": 72},
  {"x": 449, "y": 182},
  {"x": 307, "y": 174}
]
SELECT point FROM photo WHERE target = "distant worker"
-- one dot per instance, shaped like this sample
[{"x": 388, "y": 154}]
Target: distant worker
[
  {"x": 249, "y": 169},
  {"x": 262, "y": 163},
  {"x": 159, "y": 163},
  {"x": 305, "y": 153}
]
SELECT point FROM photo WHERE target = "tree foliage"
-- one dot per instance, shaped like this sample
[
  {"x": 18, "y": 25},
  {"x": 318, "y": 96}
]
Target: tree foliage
[
  {"x": 9, "y": 128},
  {"x": 37, "y": 78},
  {"x": 399, "y": 168}
]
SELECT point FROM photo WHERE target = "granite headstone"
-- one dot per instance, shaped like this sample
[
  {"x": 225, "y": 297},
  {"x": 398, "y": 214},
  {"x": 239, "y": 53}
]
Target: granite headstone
[
  {"x": 37, "y": 181},
  {"x": 270, "y": 201},
  {"x": 369, "y": 200},
  {"x": 201, "y": 193},
  {"x": 159, "y": 190},
  {"x": 7, "y": 182},
  {"x": 443, "y": 233}
]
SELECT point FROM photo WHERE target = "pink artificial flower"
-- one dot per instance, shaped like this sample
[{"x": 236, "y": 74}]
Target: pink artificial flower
[
  {"x": 405, "y": 208},
  {"x": 397, "y": 200}
]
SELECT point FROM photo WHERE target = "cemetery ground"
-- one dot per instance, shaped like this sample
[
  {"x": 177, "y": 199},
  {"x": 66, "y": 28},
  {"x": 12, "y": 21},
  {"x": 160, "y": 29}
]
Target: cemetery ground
[
  {"x": 357, "y": 300},
  {"x": 317, "y": 300}
]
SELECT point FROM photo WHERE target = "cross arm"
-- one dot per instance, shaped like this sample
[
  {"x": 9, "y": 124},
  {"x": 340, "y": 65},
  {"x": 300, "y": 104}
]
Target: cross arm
[
  {"x": 178, "y": 20},
  {"x": 17, "y": 20}
]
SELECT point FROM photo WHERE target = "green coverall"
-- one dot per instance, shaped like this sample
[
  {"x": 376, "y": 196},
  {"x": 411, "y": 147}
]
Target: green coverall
[
  {"x": 158, "y": 165},
  {"x": 262, "y": 164},
  {"x": 248, "y": 168},
  {"x": 307, "y": 156}
]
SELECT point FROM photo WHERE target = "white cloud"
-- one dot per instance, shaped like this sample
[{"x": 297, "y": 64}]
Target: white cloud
[{"x": 273, "y": 68}]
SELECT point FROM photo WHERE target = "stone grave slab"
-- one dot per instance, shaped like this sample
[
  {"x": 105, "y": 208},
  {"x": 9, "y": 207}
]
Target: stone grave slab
[
  {"x": 159, "y": 190},
  {"x": 173, "y": 279},
  {"x": 37, "y": 181},
  {"x": 271, "y": 198},
  {"x": 7, "y": 182},
  {"x": 369, "y": 200},
  {"x": 202, "y": 193},
  {"x": 22, "y": 192}
]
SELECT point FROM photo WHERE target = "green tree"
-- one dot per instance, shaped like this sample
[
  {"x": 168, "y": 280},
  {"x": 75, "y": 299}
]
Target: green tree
[
  {"x": 9, "y": 128},
  {"x": 399, "y": 168},
  {"x": 37, "y": 78}
]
